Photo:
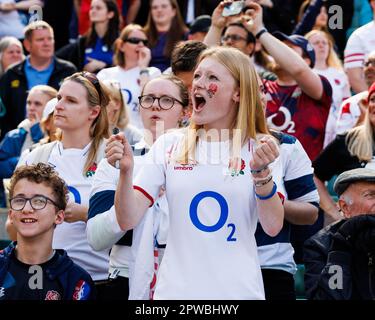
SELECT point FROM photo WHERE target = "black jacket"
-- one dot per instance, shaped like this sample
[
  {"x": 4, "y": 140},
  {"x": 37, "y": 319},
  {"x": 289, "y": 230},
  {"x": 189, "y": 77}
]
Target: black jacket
[
  {"x": 75, "y": 281},
  {"x": 74, "y": 52},
  {"x": 13, "y": 91},
  {"x": 322, "y": 273}
]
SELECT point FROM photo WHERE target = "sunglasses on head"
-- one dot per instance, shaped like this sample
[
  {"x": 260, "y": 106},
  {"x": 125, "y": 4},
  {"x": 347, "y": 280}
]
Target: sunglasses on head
[
  {"x": 94, "y": 81},
  {"x": 136, "y": 41}
]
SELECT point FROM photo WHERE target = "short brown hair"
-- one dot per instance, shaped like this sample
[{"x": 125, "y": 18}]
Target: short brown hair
[
  {"x": 185, "y": 55},
  {"x": 29, "y": 29},
  {"x": 42, "y": 173}
]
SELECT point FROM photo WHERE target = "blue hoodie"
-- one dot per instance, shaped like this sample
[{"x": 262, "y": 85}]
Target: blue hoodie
[{"x": 76, "y": 282}]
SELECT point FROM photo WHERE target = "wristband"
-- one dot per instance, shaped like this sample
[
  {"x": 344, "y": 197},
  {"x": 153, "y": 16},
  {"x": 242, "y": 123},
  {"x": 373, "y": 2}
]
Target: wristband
[
  {"x": 255, "y": 171},
  {"x": 259, "y": 34},
  {"x": 269, "y": 196}
]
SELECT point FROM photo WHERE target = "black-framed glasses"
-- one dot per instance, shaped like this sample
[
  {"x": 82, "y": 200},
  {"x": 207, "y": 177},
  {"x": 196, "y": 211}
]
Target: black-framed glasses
[
  {"x": 94, "y": 81},
  {"x": 37, "y": 202},
  {"x": 233, "y": 37},
  {"x": 165, "y": 102},
  {"x": 135, "y": 40}
]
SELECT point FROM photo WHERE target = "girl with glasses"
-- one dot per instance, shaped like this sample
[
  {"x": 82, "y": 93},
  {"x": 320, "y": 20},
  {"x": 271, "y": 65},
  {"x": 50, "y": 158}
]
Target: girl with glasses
[
  {"x": 132, "y": 58},
  {"x": 132, "y": 253}
]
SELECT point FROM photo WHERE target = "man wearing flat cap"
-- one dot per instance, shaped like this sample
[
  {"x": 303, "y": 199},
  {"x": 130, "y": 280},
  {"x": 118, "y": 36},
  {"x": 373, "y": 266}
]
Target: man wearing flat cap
[{"x": 340, "y": 259}]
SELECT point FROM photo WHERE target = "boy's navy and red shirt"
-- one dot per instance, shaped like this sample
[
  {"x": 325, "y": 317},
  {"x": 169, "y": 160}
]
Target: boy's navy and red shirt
[
  {"x": 62, "y": 279},
  {"x": 292, "y": 111}
]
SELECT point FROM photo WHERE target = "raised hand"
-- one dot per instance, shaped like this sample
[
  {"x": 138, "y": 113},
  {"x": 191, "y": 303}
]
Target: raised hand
[
  {"x": 118, "y": 149},
  {"x": 253, "y": 18},
  {"x": 144, "y": 57},
  {"x": 264, "y": 153},
  {"x": 217, "y": 19},
  {"x": 94, "y": 65},
  {"x": 75, "y": 212}
]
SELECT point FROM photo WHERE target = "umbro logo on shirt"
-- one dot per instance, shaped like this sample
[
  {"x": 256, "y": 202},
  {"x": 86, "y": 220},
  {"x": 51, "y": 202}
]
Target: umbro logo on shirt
[
  {"x": 184, "y": 167},
  {"x": 2, "y": 293}
]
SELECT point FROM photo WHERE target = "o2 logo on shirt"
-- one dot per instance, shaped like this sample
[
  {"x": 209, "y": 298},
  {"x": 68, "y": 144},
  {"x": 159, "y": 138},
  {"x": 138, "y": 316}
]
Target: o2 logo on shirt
[
  {"x": 134, "y": 105},
  {"x": 129, "y": 94},
  {"x": 76, "y": 194},
  {"x": 193, "y": 210},
  {"x": 288, "y": 125}
]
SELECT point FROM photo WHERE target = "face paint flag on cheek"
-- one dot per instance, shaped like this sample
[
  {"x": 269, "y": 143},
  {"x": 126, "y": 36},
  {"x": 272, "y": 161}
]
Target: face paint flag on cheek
[{"x": 212, "y": 89}]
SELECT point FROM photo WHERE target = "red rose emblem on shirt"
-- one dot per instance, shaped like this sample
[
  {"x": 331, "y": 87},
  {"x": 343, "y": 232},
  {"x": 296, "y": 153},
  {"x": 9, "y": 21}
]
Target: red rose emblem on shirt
[{"x": 53, "y": 295}]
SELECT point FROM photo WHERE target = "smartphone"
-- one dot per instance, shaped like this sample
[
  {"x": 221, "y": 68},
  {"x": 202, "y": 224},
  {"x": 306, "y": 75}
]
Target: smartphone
[{"x": 233, "y": 8}]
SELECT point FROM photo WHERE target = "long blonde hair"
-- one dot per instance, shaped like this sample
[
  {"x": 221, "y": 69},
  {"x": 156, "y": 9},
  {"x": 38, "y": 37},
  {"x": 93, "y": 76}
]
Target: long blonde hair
[
  {"x": 250, "y": 120},
  {"x": 121, "y": 116},
  {"x": 95, "y": 97},
  {"x": 332, "y": 60},
  {"x": 360, "y": 140}
]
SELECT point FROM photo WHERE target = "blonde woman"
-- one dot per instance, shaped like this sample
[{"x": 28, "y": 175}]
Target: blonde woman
[
  {"x": 328, "y": 64},
  {"x": 217, "y": 181},
  {"x": 81, "y": 116},
  {"x": 351, "y": 150},
  {"x": 118, "y": 116}
]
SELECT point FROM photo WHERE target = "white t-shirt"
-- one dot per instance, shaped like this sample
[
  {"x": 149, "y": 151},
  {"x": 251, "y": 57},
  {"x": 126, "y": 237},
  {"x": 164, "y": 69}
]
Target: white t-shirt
[
  {"x": 10, "y": 23},
  {"x": 340, "y": 91},
  {"x": 130, "y": 88},
  {"x": 69, "y": 163},
  {"x": 350, "y": 112},
  {"x": 359, "y": 45},
  {"x": 211, "y": 250}
]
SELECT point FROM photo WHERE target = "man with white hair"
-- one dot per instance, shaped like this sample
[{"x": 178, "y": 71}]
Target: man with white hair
[{"x": 339, "y": 258}]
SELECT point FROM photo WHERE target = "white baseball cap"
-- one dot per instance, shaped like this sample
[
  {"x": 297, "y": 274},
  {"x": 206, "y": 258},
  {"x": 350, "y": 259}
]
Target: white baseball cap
[{"x": 49, "y": 108}]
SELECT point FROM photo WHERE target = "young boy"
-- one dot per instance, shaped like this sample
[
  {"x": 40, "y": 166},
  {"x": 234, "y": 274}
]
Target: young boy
[{"x": 29, "y": 268}]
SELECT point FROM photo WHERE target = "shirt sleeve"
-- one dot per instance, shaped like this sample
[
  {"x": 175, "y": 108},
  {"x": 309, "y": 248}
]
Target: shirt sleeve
[
  {"x": 347, "y": 117},
  {"x": 354, "y": 54},
  {"x": 103, "y": 230},
  {"x": 326, "y": 98},
  {"x": 298, "y": 180},
  {"x": 151, "y": 176}
]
